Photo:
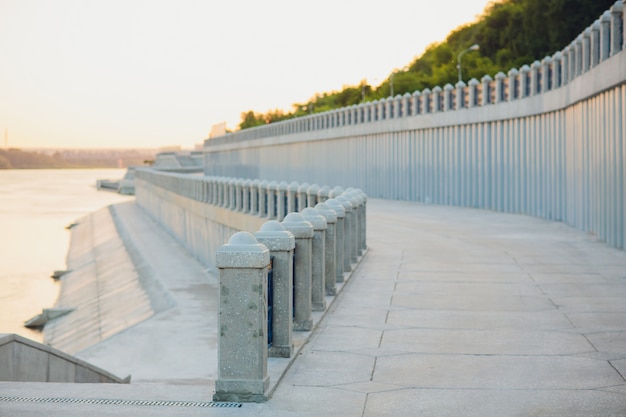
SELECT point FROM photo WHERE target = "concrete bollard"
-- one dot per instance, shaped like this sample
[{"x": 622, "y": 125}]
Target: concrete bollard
[
  {"x": 220, "y": 191},
  {"x": 213, "y": 191},
  {"x": 312, "y": 195},
  {"x": 303, "y": 233},
  {"x": 242, "y": 341},
  {"x": 318, "y": 258},
  {"x": 323, "y": 194},
  {"x": 354, "y": 222},
  {"x": 206, "y": 189},
  {"x": 246, "y": 195},
  {"x": 292, "y": 197},
  {"x": 254, "y": 197},
  {"x": 281, "y": 210},
  {"x": 263, "y": 198},
  {"x": 330, "y": 277},
  {"x": 347, "y": 234},
  {"x": 281, "y": 245},
  {"x": 272, "y": 195},
  {"x": 232, "y": 192},
  {"x": 339, "y": 236},
  {"x": 336, "y": 192},
  {"x": 302, "y": 196},
  {"x": 239, "y": 195},
  {"x": 362, "y": 226}
]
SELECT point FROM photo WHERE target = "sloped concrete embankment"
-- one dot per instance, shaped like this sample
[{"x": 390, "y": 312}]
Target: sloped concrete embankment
[
  {"x": 103, "y": 287},
  {"x": 142, "y": 305}
]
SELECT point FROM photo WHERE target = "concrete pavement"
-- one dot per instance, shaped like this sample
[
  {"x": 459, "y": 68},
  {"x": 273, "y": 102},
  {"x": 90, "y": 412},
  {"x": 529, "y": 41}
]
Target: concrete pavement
[{"x": 453, "y": 312}]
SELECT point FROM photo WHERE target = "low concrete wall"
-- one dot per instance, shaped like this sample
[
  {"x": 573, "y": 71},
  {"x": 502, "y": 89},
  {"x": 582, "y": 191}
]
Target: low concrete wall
[
  {"x": 27, "y": 361},
  {"x": 200, "y": 227},
  {"x": 202, "y": 213}
]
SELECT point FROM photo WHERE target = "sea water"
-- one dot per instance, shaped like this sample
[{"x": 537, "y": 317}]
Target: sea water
[{"x": 35, "y": 208}]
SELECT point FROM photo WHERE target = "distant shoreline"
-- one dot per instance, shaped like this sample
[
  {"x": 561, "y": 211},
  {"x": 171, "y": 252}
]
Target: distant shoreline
[{"x": 14, "y": 158}]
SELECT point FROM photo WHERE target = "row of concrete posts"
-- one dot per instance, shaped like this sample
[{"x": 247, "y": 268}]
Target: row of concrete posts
[{"x": 308, "y": 253}]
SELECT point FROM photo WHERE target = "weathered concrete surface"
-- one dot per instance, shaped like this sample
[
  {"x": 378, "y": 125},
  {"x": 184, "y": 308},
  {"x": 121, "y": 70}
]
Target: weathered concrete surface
[
  {"x": 452, "y": 312},
  {"x": 22, "y": 359},
  {"x": 171, "y": 345}
]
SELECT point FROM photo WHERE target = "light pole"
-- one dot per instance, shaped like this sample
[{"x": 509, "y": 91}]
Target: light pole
[{"x": 474, "y": 47}]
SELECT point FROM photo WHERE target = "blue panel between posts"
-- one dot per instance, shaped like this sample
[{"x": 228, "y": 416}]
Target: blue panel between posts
[{"x": 270, "y": 302}]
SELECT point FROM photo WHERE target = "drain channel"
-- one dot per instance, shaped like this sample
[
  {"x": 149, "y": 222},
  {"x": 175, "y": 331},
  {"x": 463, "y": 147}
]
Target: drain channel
[{"x": 209, "y": 404}]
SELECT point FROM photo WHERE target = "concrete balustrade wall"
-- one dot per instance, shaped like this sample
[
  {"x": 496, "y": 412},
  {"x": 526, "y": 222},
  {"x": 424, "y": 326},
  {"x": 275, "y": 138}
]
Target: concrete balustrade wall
[
  {"x": 202, "y": 213},
  {"x": 546, "y": 140}
]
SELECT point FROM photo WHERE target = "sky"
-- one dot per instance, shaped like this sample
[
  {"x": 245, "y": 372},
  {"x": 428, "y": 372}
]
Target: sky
[{"x": 156, "y": 73}]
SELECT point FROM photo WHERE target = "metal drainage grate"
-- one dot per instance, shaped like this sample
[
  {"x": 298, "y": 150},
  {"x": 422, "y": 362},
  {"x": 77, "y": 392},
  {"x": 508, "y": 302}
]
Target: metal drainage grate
[{"x": 209, "y": 404}]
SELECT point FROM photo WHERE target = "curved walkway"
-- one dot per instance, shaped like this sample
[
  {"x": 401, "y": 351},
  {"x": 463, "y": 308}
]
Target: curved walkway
[{"x": 453, "y": 312}]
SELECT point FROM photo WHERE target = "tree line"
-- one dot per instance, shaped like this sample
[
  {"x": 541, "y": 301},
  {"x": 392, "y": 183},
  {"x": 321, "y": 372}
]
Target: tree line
[{"x": 510, "y": 33}]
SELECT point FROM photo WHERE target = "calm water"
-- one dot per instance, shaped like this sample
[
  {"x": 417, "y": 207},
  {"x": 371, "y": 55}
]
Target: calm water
[{"x": 35, "y": 207}]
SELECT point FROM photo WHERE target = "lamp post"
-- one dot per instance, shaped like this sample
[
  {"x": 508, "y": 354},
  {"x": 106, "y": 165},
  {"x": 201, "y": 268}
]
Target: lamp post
[{"x": 474, "y": 47}]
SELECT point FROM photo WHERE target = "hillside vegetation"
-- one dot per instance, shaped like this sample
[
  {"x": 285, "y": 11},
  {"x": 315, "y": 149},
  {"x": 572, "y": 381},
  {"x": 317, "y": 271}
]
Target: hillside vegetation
[{"x": 510, "y": 33}]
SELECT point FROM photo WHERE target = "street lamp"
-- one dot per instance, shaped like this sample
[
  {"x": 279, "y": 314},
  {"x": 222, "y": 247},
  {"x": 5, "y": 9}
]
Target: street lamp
[{"x": 474, "y": 47}]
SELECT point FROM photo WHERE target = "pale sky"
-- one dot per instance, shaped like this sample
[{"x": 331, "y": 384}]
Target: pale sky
[{"x": 151, "y": 73}]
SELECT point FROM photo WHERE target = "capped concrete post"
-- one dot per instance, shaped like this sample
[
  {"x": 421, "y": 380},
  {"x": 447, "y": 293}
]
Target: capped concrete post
[
  {"x": 281, "y": 245},
  {"x": 339, "y": 236},
  {"x": 336, "y": 192},
  {"x": 220, "y": 191},
  {"x": 254, "y": 197},
  {"x": 242, "y": 340},
  {"x": 232, "y": 192},
  {"x": 359, "y": 197},
  {"x": 206, "y": 189},
  {"x": 281, "y": 201},
  {"x": 347, "y": 234},
  {"x": 354, "y": 222},
  {"x": 318, "y": 258},
  {"x": 292, "y": 197},
  {"x": 239, "y": 195},
  {"x": 272, "y": 194},
  {"x": 303, "y": 233},
  {"x": 363, "y": 220},
  {"x": 323, "y": 194},
  {"x": 513, "y": 84},
  {"x": 302, "y": 196},
  {"x": 312, "y": 195},
  {"x": 246, "y": 196},
  {"x": 263, "y": 198},
  {"x": 330, "y": 277},
  {"x": 426, "y": 101},
  {"x": 356, "y": 201},
  {"x": 213, "y": 196}
]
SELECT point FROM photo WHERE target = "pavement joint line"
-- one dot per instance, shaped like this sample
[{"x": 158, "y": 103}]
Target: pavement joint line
[{"x": 103, "y": 401}]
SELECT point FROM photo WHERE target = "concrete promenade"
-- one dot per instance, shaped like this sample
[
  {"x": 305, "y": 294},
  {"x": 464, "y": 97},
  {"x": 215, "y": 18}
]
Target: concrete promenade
[{"x": 453, "y": 312}]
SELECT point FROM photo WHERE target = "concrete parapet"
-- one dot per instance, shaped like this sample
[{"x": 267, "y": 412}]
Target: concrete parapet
[
  {"x": 242, "y": 341},
  {"x": 281, "y": 244},
  {"x": 312, "y": 195},
  {"x": 303, "y": 233},
  {"x": 347, "y": 233},
  {"x": 303, "y": 197},
  {"x": 292, "y": 197},
  {"x": 330, "y": 248},
  {"x": 339, "y": 236},
  {"x": 318, "y": 258}
]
